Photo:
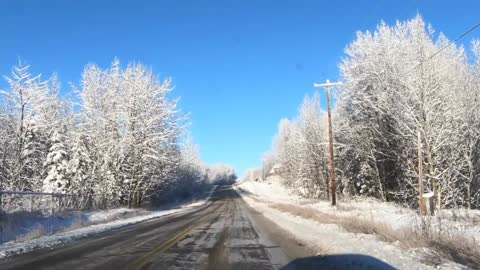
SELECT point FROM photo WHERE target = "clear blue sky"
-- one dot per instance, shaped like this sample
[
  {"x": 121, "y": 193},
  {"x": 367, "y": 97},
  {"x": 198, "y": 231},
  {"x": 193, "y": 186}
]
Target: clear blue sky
[{"x": 239, "y": 65}]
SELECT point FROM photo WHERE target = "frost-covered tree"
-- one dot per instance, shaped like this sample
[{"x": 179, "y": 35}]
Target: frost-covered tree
[
  {"x": 7, "y": 148},
  {"x": 56, "y": 164},
  {"x": 191, "y": 176},
  {"x": 313, "y": 128},
  {"x": 269, "y": 160},
  {"x": 80, "y": 170},
  {"x": 254, "y": 174},
  {"x": 221, "y": 174},
  {"x": 469, "y": 105},
  {"x": 94, "y": 129},
  {"x": 391, "y": 92},
  {"x": 29, "y": 107},
  {"x": 151, "y": 122},
  {"x": 133, "y": 127},
  {"x": 300, "y": 148},
  {"x": 288, "y": 151}
]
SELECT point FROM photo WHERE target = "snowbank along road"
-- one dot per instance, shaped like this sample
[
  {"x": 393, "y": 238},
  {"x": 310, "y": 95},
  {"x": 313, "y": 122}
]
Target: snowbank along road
[{"x": 223, "y": 234}]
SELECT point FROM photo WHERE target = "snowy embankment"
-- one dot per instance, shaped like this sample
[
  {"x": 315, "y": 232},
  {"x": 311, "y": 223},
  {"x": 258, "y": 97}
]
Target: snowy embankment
[
  {"x": 75, "y": 226},
  {"x": 328, "y": 230}
]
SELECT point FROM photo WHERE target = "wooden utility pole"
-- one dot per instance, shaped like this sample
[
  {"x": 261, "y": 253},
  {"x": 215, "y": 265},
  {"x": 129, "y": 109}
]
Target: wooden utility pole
[
  {"x": 327, "y": 87},
  {"x": 421, "y": 201}
]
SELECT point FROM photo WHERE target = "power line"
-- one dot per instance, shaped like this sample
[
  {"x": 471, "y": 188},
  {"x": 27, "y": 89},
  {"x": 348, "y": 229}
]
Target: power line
[{"x": 444, "y": 47}]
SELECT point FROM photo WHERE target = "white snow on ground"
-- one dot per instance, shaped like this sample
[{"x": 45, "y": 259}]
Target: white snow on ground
[
  {"x": 23, "y": 225},
  {"x": 11, "y": 248},
  {"x": 331, "y": 238},
  {"x": 270, "y": 191},
  {"x": 463, "y": 220},
  {"x": 112, "y": 214},
  {"x": 108, "y": 219}
]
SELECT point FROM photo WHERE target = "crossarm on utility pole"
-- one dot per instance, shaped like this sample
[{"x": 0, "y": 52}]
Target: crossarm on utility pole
[{"x": 328, "y": 84}]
